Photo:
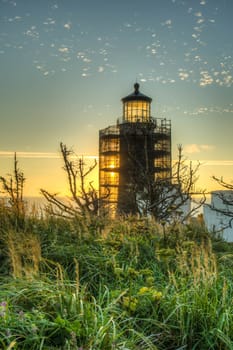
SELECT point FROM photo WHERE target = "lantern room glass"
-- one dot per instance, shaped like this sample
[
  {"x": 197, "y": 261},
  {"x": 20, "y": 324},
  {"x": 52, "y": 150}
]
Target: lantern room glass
[{"x": 136, "y": 111}]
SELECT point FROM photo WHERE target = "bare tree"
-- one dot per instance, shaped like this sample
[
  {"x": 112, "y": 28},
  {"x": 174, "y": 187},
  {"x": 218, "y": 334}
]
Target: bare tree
[
  {"x": 84, "y": 197},
  {"x": 165, "y": 198},
  {"x": 13, "y": 188}
]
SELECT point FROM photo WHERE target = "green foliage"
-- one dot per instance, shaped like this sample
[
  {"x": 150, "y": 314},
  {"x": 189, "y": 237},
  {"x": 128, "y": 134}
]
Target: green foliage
[{"x": 95, "y": 285}]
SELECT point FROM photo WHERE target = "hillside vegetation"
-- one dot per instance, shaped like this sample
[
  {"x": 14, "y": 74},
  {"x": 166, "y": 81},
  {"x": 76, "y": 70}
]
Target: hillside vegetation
[
  {"x": 73, "y": 280},
  {"x": 91, "y": 283}
]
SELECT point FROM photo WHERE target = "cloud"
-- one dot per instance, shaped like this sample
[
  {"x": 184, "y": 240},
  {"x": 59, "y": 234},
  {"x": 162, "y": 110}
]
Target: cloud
[
  {"x": 49, "y": 21},
  {"x": 67, "y": 25},
  {"x": 207, "y": 147},
  {"x": 32, "y": 32},
  {"x": 195, "y": 148},
  {"x": 198, "y": 14},
  {"x": 206, "y": 78},
  {"x": 210, "y": 109},
  {"x": 39, "y": 155},
  {"x": 10, "y": 154},
  {"x": 63, "y": 49},
  {"x": 217, "y": 162},
  {"x": 183, "y": 75},
  {"x": 208, "y": 163},
  {"x": 167, "y": 23}
]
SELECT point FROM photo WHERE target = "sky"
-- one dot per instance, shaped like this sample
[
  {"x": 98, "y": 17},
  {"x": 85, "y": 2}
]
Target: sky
[{"x": 66, "y": 64}]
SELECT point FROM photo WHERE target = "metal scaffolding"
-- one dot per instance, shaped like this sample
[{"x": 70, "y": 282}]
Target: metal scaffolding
[{"x": 109, "y": 166}]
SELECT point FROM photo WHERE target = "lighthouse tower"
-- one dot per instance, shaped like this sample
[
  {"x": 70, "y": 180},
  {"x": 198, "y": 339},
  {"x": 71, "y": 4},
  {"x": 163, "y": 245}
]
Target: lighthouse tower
[{"x": 132, "y": 155}]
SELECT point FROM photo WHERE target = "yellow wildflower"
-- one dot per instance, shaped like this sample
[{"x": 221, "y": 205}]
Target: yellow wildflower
[{"x": 143, "y": 290}]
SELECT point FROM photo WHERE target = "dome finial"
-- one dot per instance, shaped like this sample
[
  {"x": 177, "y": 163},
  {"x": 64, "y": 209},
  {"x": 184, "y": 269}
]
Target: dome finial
[{"x": 136, "y": 88}]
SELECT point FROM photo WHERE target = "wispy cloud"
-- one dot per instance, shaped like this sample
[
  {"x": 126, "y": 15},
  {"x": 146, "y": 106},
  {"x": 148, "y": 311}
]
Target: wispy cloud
[
  {"x": 217, "y": 162},
  {"x": 63, "y": 49},
  {"x": 207, "y": 147},
  {"x": 205, "y": 110},
  {"x": 40, "y": 155},
  {"x": 196, "y": 148},
  {"x": 10, "y": 154}
]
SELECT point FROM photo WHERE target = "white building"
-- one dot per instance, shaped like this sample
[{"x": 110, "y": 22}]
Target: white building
[{"x": 217, "y": 214}]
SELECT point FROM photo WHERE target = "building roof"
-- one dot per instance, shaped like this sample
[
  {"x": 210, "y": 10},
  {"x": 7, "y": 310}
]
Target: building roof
[{"x": 136, "y": 95}]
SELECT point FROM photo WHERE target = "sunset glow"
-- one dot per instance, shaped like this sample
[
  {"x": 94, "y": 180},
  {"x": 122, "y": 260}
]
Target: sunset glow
[{"x": 65, "y": 65}]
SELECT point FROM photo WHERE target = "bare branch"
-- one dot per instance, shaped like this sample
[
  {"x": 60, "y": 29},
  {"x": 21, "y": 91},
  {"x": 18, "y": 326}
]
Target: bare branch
[
  {"x": 84, "y": 198},
  {"x": 13, "y": 188},
  {"x": 223, "y": 183},
  {"x": 165, "y": 198}
]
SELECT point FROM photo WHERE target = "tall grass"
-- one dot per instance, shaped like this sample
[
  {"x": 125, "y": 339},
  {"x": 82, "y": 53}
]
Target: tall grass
[{"x": 114, "y": 285}]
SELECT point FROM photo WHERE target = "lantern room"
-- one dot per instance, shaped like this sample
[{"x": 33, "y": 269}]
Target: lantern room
[{"x": 136, "y": 107}]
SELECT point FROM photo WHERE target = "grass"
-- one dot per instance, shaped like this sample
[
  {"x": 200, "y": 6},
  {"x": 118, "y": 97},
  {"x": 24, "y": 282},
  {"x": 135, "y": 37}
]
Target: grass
[{"x": 113, "y": 285}]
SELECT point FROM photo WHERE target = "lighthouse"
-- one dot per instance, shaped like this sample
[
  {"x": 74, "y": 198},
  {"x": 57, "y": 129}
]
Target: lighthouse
[{"x": 133, "y": 154}]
